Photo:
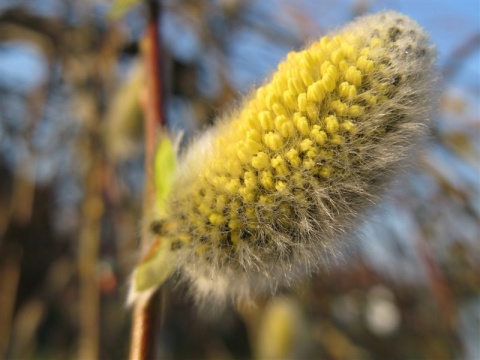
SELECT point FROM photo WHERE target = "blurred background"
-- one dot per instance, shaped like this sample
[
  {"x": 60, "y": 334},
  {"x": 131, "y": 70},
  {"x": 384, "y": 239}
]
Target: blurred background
[{"x": 72, "y": 175}]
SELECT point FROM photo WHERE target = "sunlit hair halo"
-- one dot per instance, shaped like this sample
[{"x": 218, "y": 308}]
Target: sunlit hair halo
[{"x": 260, "y": 199}]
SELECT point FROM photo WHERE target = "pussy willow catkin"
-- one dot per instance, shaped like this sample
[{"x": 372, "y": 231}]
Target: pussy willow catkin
[{"x": 264, "y": 196}]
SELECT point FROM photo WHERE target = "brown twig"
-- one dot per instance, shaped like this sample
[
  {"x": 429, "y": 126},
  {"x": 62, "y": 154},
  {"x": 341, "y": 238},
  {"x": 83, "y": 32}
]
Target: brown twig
[
  {"x": 145, "y": 319},
  {"x": 9, "y": 277}
]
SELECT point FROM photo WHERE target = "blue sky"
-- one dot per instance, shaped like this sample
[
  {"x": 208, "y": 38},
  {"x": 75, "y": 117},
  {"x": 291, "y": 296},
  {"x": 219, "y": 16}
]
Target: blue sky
[{"x": 450, "y": 24}]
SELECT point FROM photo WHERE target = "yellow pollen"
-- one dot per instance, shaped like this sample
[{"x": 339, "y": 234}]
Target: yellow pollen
[
  {"x": 318, "y": 135},
  {"x": 273, "y": 141},
  {"x": 266, "y": 180},
  {"x": 261, "y": 161},
  {"x": 216, "y": 219},
  {"x": 331, "y": 124},
  {"x": 292, "y": 156},
  {"x": 279, "y": 165}
]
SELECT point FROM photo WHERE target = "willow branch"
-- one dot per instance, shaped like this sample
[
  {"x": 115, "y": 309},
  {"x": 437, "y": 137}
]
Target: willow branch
[{"x": 145, "y": 317}]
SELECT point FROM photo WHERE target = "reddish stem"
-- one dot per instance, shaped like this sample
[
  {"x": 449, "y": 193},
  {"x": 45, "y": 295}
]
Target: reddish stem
[
  {"x": 145, "y": 317},
  {"x": 145, "y": 328}
]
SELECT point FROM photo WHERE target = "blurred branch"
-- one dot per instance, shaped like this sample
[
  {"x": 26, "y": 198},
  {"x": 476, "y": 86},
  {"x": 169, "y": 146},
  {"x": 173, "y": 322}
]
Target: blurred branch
[
  {"x": 437, "y": 281},
  {"x": 9, "y": 276},
  {"x": 452, "y": 66},
  {"x": 18, "y": 24},
  {"x": 89, "y": 242}
]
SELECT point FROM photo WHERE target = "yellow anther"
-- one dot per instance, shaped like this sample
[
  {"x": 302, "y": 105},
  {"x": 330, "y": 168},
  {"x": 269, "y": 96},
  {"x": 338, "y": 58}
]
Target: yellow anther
[
  {"x": 266, "y": 120},
  {"x": 282, "y": 66},
  {"x": 348, "y": 50},
  {"x": 204, "y": 209},
  {"x": 271, "y": 99},
  {"x": 254, "y": 135},
  {"x": 343, "y": 88},
  {"x": 328, "y": 82},
  {"x": 293, "y": 158},
  {"x": 326, "y": 65},
  {"x": 306, "y": 145},
  {"x": 309, "y": 163},
  {"x": 250, "y": 180},
  {"x": 244, "y": 155},
  {"x": 233, "y": 186},
  {"x": 312, "y": 111},
  {"x": 278, "y": 109},
  {"x": 250, "y": 212},
  {"x": 219, "y": 181},
  {"x": 235, "y": 237},
  {"x": 284, "y": 126},
  {"x": 302, "y": 125},
  {"x": 261, "y": 93},
  {"x": 337, "y": 139},
  {"x": 248, "y": 195},
  {"x": 280, "y": 81},
  {"x": 273, "y": 140},
  {"x": 291, "y": 55},
  {"x": 280, "y": 186},
  {"x": 371, "y": 100},
  {"x": 233, "y": 167},
  {"x": 365, "y": 51},
  {"x": 352, "y": 92},
  {"x": 307, "y": 60},
  {"x": 289, "y": 99},
  {"x": 221, "y": 202},
  {"x": 325, "y": 171},
  {"x": 356, "y": 110},
  {"x": 333, "y": 73},
  {"x": 280, "y": 121},
  {"x": 343, "y": 66},
  {"x": 318, "y": 135},
  {"x": 339, "y": 107},
  {"x": 279, "y": 165},
  {"x": 337, "y": 40},
  {"x": 337, "y": 56},
  {"x": 315, "y": 92},
  {"x": 312, "y": 153},
  {"x": 375, "y": 43},
  {"x": 235, "y": 206},
  {"x": 295, "y": 85},
  {"x": 324, "y": 41},
  {"x": 306, "y": 77},
  {"x": 261, "y": 161},
  {"x": 331, "y": 124},
  {"x": 234, "y": 224},
  {"x": 348, "y": 126},
  {"x": 253, "y": 146},
  {"x": 346, "y": 90},
  {"x": 302, "y": 102},
  {"x": 266, "y": 179},
  {"x": 216, "y": 219},
  {"x": 265, "y": 199},
  {"x": 253, "y": 122},
  {"x": 353, "y": 76},
  {"x": 363, "y": 63},
  {"x": 317, "y": 56}
]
